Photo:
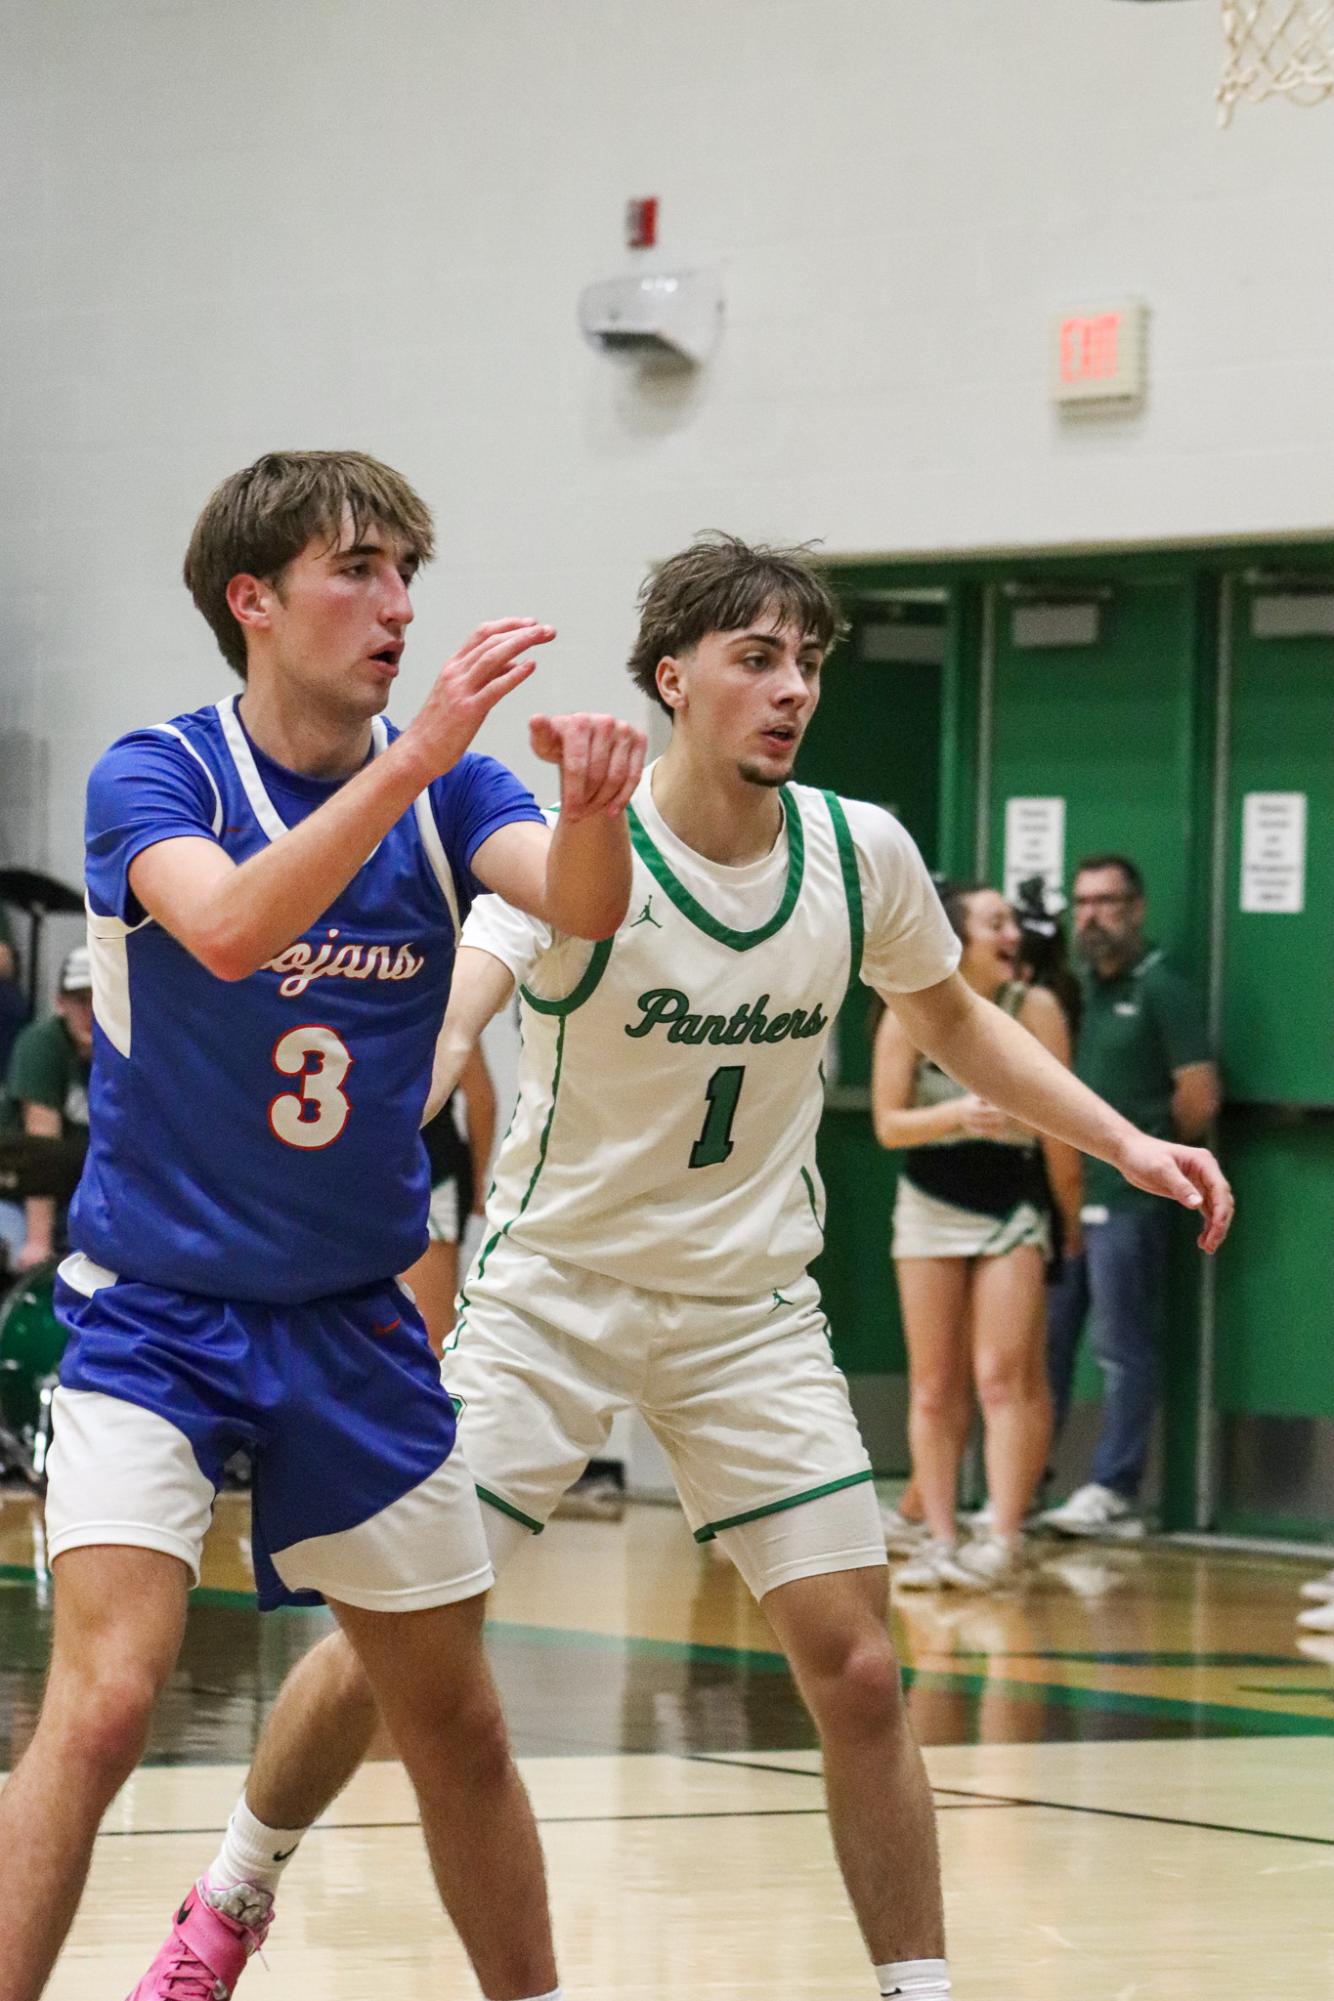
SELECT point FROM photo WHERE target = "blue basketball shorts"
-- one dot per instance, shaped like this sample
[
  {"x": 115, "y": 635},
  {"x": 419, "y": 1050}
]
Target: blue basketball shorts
[{"x": 358, "y": 1494}]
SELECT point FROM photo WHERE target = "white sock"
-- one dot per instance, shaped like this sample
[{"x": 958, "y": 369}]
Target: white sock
[
  {"x": 252, "y": 1852},
  {"x": 555, "y": 1995},
  {"x": 916, "y": 1979}
]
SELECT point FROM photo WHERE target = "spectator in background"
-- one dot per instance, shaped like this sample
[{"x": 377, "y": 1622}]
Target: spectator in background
[
  {"x": 13, "y": 1000},
  {"x": 9, "y": 965},
  {"x": 1044, "y": 956},
  {"x": 48, "y": 1088},
  {"x": 458, "y": 1189},
  {"x": 971, "y": 1240},
  {"x": 1143, "y": 1046},
  {"x": 13, "y": 1014},
  {"x": 1043, "y": 961}
]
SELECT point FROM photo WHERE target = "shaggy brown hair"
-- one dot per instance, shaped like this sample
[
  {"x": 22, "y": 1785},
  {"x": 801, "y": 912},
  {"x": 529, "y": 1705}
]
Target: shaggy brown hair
[
  {"x": 259, "y": 519},
  {"x": 721, "y": 584}
]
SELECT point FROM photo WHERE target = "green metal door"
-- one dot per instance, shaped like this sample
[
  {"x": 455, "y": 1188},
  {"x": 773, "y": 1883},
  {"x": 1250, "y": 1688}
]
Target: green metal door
[
  {"x": 1096, "y": 701},
  {"x": 1100, "y": 701},
  {"x": 1274, "y": 1366}
]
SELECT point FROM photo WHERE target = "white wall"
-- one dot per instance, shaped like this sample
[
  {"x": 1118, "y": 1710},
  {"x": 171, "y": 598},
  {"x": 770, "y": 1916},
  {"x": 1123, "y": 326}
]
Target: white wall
[{"x": 230, "y": 224}]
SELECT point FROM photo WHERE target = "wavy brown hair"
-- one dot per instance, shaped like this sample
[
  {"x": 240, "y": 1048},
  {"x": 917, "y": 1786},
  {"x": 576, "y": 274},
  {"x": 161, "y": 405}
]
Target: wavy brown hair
[
  {"x": 721, "y": 584},
  {"x": 260, "y": 518}
]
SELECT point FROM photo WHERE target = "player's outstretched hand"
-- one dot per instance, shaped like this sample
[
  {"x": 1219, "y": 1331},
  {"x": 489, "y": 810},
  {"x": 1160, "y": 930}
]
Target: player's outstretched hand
[
  {"x": 1186, "y": 1174},
  {"x": 600, "y": 759},
  {"x": 483, "y": 671}
]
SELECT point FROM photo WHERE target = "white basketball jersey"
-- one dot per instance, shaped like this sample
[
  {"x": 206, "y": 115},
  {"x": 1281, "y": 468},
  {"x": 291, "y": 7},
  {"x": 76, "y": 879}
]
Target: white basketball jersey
[{"x": 670, "y": 1084}]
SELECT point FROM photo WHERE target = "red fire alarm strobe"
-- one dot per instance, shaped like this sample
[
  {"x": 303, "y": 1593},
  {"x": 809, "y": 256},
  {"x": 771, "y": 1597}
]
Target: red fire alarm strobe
[{"x": 641, "y": 222}]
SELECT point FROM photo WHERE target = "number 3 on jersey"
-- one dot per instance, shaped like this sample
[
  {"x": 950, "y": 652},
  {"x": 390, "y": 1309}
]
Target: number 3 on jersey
[
  {"x": 316, "y": 1113},
  {"x": 715, "y": 1140}
]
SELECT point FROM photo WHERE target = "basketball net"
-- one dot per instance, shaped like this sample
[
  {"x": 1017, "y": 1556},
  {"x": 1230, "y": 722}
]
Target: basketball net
[{"x": 1276, "y": 48}]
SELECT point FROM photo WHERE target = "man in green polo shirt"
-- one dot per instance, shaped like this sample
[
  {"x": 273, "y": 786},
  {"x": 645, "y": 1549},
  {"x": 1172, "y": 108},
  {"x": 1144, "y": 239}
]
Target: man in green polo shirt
[
  {"x": 1143, "y": 1046},
  {"x": 47, "y": 1085}
]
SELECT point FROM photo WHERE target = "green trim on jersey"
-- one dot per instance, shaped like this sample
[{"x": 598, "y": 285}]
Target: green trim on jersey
[
  {"x": 561, "y": 1008},
  {"x": 711, "y": 1529},
  {"x": 723, "y": 934},
  {"x": 596, "y": 967},
  {"x": 810, "y": 1197},
  {"x": 852, "y": 885},
  {"x": 593, "y": 971},
  {"x": 508, "y": 1508}
]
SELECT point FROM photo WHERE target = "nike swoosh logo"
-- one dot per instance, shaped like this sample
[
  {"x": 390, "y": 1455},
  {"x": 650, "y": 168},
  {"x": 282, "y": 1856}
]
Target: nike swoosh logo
[
  {"x": 282, "y": 1854},
  {"x": 184, "y": 1912},
  {"x": 376, "y": 1328}
]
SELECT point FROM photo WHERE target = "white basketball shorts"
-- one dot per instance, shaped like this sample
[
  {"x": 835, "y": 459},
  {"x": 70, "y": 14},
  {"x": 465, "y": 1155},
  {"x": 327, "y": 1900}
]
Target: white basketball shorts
[{"x": 742, "y": 1394}]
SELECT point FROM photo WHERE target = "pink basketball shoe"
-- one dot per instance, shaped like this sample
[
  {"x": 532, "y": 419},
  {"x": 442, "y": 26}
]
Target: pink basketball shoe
[{"x": 214, "y": 1934}]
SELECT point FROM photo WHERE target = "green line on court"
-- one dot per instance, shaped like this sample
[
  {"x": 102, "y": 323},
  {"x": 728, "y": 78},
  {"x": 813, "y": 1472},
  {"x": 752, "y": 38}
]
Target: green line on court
[
  {"x": 1225, "y": 1719},
  {"x": 1325, "y": 1694},
  {"x": 1247, "y": 1722},
  {"x": 1144, "y": 1659}
]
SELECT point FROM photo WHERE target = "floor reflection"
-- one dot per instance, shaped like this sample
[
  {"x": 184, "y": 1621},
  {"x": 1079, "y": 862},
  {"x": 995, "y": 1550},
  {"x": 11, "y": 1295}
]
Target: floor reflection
[{"x": 627, "y": 1637}]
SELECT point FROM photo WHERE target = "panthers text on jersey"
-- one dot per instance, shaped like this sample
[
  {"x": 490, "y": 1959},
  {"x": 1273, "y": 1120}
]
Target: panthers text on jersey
[
  {"x": 258, "y": 1139},
  {"x": 671, "y": 1079}
]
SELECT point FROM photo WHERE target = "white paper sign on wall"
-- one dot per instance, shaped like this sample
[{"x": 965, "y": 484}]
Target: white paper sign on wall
[
  {"x": 1034, "y": 842},
  {"x": 1273, "y": 852}
]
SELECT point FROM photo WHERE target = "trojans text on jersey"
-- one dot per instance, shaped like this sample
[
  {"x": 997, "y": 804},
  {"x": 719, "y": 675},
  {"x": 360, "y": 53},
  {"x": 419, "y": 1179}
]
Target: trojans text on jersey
[{"x": 303, "y": 963}]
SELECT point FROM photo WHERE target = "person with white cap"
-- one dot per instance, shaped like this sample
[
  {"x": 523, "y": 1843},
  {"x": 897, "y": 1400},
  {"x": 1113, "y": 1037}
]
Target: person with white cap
[{"x": 47, "y": 1086}]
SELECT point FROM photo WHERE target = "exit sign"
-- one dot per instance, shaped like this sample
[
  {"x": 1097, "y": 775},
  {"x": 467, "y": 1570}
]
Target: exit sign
[{"x": 1099, "y": 356}]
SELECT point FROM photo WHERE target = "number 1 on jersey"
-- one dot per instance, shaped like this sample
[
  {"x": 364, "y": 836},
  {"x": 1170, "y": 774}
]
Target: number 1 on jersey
[{"x": 715, "y": 1141}]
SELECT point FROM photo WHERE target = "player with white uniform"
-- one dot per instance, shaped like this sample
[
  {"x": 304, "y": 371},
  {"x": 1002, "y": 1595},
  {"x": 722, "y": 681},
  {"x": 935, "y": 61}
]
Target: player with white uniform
[
  {"x": 656, "y": 1202},
  {"x": 275, "y": 889}
]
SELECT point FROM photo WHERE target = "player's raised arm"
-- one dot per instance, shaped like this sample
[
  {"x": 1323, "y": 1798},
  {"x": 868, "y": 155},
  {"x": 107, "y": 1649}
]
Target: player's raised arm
[
  {"x": 232, "y": 918},
  {"x": 577, "y": 878},
  {"x": 984, "y": 1049}
]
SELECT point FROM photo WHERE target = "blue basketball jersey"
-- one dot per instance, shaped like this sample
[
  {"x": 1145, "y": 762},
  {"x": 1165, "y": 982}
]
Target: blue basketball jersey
[{"x": 259, "y": 1139}]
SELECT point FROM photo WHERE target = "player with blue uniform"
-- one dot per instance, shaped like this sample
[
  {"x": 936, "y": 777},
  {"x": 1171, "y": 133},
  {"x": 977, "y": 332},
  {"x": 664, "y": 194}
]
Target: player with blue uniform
[
  {"x": 232, "y": 1152},
  {"x": 276, "y": 885}
]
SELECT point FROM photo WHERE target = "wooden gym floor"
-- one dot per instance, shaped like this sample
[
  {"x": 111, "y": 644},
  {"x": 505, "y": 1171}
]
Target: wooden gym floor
[{"x": 1134, "y": 1765}]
